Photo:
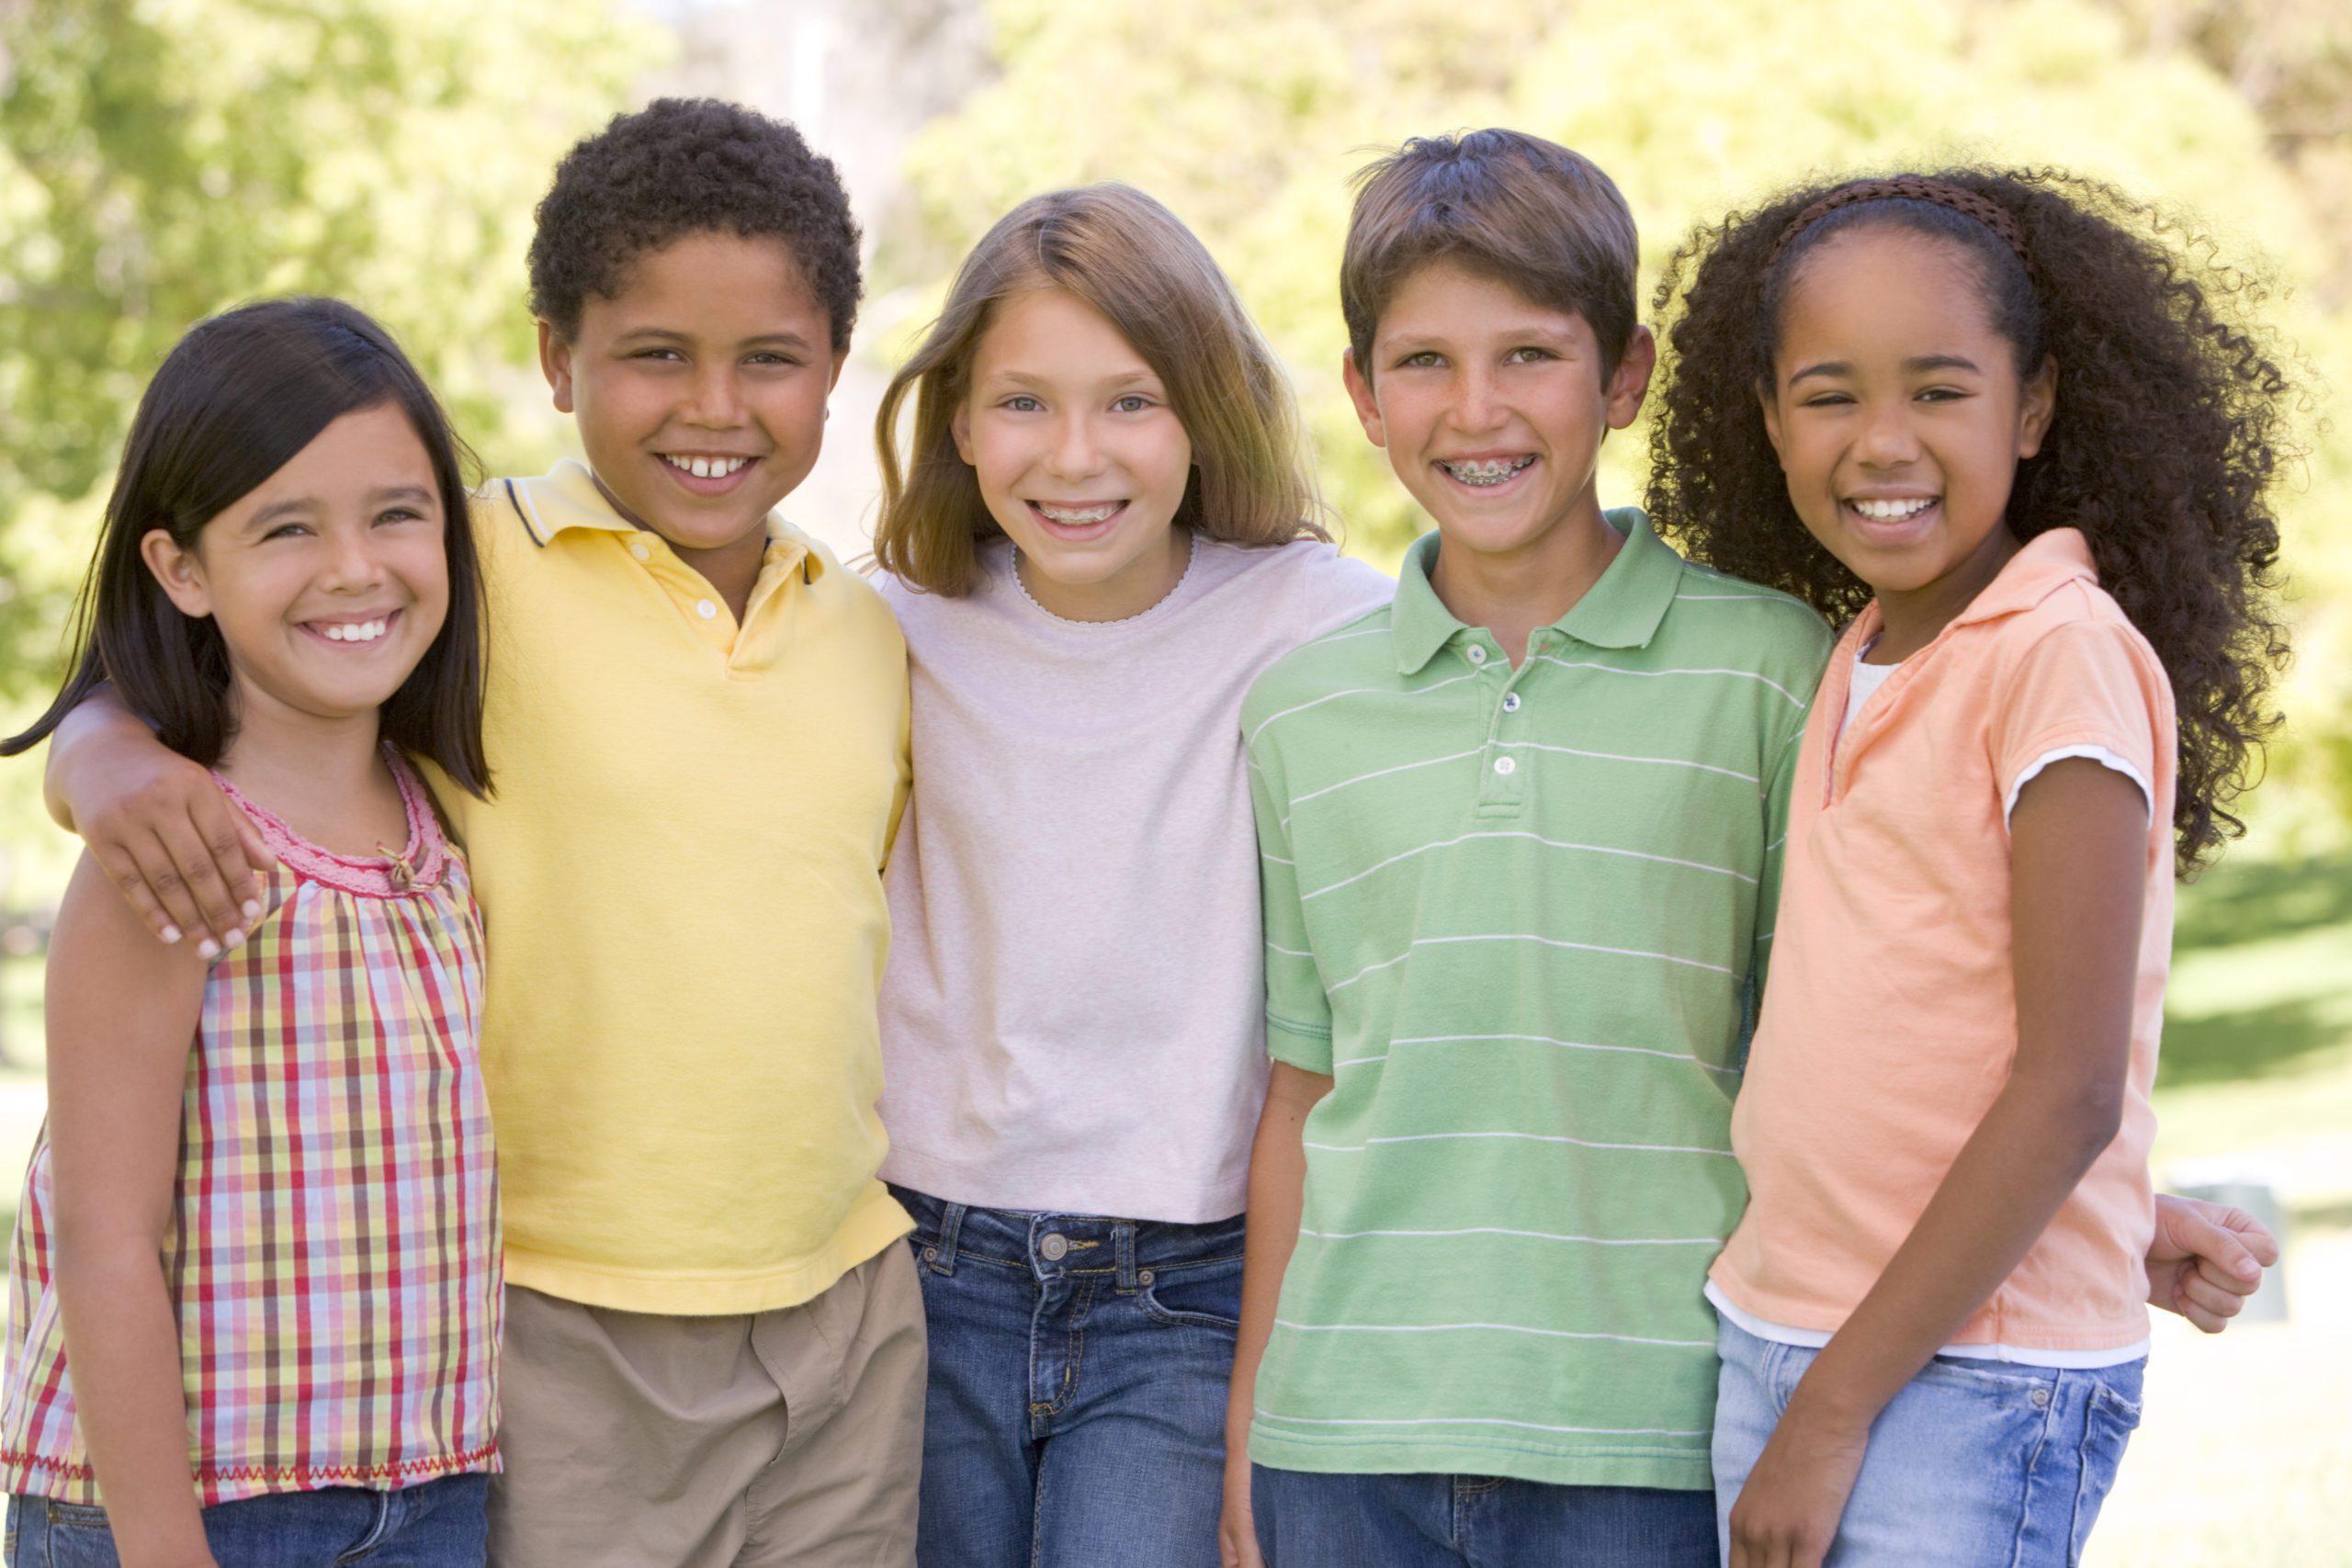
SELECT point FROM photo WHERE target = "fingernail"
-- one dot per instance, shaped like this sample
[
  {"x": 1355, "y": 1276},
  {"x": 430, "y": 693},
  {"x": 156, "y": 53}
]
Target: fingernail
[
  {"x": 234, "y": 938},
  {"x": 169, "y": 933},
  {"x": 253, "y": 909},
  {"x": 209, "y": 948}
]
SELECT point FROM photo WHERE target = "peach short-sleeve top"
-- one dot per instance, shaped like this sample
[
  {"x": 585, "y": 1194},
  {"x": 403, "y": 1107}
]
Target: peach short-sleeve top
[{"x": 1890, "y": 1021}]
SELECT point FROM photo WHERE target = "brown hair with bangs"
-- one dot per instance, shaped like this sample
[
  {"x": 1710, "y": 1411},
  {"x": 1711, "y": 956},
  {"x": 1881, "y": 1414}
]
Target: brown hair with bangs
[
  {"x": 1132, "y": 259},
  {"x": 1525, "y": 211}
]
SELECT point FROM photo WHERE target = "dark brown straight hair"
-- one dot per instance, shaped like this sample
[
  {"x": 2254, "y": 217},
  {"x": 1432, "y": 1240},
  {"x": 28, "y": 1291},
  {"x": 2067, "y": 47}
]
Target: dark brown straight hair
[{"x": 233, "y": 402}]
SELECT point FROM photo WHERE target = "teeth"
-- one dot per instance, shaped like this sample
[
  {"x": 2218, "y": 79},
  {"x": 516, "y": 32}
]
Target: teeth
[
  {"x": 707, "y": 468},
  {"x": 1077, "y": 517},
  {"x": 1893, "y": 511},
  {"x": 1486, "y": 470},
  {"x": 359, "y": 631}
]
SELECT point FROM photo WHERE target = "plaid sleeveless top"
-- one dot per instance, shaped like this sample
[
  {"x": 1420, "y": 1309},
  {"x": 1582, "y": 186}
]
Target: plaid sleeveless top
[{"x": 334, "y": 1266}]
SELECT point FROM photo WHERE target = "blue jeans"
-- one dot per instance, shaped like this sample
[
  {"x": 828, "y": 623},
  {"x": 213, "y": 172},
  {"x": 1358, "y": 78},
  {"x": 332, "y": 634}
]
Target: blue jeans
[
  {"x": 1973, "y": 1462},
  {"x": 1076, "y": 1410},
  {"x": 1474, "y": 1521},
  {"x": 435, "y": 1524}
]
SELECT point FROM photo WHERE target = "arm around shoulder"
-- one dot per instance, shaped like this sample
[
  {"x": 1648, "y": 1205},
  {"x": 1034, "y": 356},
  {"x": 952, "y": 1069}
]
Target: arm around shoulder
[{"x": 158, "y": 826}]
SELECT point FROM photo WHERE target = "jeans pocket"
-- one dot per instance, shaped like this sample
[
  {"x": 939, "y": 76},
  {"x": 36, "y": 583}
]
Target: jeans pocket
[
  {"x": 2108, "y": 1424},
  {"x": 1999, "y": 1382},
  {"x": 76, "y": 1516},
  {"x": 1206, "y": 1295},
  {"x": 1990, "y": 1418},
  {"x": 63, "y": 1535}
]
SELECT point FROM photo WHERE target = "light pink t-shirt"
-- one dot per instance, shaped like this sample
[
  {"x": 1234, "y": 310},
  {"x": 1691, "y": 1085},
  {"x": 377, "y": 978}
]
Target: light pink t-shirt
[
  {"x": 1890, "y": 1021},
  {"x": 1073, "y": 1014}
]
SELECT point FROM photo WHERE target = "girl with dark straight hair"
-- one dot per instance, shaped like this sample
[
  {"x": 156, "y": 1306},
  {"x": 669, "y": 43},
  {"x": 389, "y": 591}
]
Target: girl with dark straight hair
[
  {"x": 241, "y": 394},
  {"x": 256, "y": 1267}
]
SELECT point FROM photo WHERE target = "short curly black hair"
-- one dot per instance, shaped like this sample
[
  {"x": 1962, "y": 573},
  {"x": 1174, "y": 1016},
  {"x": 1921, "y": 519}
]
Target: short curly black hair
[
  {"x": 685, "y": 166},
  {"x": 2172, "y": 429}
]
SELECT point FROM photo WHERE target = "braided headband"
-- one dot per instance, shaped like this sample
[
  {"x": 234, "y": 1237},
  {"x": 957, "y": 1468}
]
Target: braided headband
[{"x": 1907, "y": 187}]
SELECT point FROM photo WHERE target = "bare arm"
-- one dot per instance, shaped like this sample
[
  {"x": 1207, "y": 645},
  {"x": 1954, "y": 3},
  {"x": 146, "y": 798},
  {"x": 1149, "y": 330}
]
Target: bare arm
[
  {"x": 1277, "y": 1192},
  {"x": 2078, "y": 857},
  {"x": 121, "y": 1014},
  {"x": 179, "y": 854}
]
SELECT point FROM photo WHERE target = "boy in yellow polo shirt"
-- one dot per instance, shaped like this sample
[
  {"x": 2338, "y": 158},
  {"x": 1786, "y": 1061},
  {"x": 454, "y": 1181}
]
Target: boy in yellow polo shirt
[{"x": 696, "y": 721}]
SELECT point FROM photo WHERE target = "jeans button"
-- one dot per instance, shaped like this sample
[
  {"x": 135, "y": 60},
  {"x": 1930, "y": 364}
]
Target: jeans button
[
  {"x": 1144, "y": 1278},
  {"x": 931, "y": 1255},
  {"x": 1054, "y": 1246},
  {"x": 2041, "y": 1396}
]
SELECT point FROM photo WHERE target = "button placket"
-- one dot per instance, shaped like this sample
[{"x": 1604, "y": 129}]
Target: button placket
[
  {"x": 1501, "y": 781},
  {"x": 1501, "y": 774}
]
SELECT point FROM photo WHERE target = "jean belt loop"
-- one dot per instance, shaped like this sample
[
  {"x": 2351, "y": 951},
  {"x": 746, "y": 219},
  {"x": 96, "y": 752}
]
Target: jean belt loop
[
  {"x": 951, "y": 1223},
  {"x": 1123, "y": 1234}
]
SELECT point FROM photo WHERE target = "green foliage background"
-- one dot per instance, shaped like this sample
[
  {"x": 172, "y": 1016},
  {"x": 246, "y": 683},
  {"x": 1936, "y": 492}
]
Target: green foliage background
[
  {"x": 160, "y": 159},
  {"x": 1247, "y": 119}
]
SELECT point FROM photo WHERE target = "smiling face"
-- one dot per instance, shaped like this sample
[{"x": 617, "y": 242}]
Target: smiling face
[
  {"x": 700, "y": 391},
  {"x": 1078, "y": 458},
  {"x": 1899, "y": 416},
  {"x": 1492, "y": 409},
  {"x": 330, "y": 580}
]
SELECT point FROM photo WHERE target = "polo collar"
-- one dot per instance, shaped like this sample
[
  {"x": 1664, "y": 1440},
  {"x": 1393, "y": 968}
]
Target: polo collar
[
  {"x": 1622, "y": 609},
  {"x": 567, "y": 497},
  {"x": 2043, "y": 565}
]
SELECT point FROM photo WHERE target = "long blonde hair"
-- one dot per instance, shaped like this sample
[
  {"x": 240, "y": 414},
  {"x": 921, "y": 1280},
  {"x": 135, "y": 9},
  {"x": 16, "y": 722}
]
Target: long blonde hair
[{"x": 1132, "y": 259}]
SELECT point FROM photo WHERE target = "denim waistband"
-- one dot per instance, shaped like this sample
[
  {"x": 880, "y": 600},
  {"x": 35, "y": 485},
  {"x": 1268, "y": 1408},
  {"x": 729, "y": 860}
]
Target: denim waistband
[{"x": 1131, "y": 1250}]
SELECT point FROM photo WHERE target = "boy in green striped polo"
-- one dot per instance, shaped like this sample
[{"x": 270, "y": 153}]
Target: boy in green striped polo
[{"x": 1518, "y": 849}]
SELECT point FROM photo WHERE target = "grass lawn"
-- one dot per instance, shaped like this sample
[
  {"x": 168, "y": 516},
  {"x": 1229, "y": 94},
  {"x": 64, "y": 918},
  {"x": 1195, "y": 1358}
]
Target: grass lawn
[
  {"x": 2245, "y": 1457},
  {"x": 2258, "y": 1046}
]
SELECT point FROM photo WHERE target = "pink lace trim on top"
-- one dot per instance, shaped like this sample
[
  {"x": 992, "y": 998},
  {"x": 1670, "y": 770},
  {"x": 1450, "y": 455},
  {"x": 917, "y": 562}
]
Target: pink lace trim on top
[{"x": 417, "y": 867}]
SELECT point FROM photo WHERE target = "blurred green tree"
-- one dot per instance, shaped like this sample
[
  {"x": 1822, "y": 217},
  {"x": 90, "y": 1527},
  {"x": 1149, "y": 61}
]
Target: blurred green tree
[
  {"x": 1248, "y": 120},
  {"x": 160, "y": 161}
]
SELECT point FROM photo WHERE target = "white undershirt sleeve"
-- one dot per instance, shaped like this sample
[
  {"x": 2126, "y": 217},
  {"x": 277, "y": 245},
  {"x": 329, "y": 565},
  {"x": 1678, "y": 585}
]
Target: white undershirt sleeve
[{"x": 2099, "y": 755}]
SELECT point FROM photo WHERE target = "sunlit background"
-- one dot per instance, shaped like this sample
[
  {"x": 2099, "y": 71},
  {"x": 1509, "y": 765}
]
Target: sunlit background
[{"x": 160, "y": 159}]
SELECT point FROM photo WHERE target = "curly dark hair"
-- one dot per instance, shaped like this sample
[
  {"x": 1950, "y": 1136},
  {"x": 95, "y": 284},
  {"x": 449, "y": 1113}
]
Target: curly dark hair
[
  {"x": 685, "y": 166},
  {"x": 2171, "y": 427}
]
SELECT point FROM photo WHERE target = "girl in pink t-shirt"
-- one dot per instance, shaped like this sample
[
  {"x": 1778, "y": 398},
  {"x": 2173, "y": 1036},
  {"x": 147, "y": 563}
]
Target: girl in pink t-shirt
[
  {"x": 2012, "y": 439},
  {"x": 1096, "y": 534}
]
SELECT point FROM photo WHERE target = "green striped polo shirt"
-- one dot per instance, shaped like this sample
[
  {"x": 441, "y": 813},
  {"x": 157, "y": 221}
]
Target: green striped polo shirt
[{"x": 1515, "y": 915}]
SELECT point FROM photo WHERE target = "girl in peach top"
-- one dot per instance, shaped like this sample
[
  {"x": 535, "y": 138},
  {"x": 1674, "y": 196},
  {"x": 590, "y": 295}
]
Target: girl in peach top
[{"x": 1991, "y": 422}]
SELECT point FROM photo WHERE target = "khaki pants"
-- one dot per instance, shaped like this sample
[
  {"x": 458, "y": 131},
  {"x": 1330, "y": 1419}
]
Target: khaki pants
[{"x": 636, "y": 1440}]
